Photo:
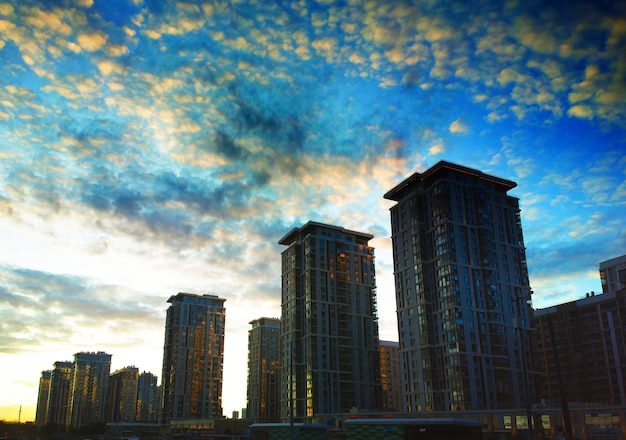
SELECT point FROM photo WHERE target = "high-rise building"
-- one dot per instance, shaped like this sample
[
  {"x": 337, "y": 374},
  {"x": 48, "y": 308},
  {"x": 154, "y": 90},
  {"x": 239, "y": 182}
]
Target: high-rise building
[
  {"x": 613, "y": 274},
  {"x": 147, "y": 398},
  {"x": 329, "y": 325},
  {"x": 41, "y": 415},
  {"x": 462, "y": 291},
  {"x": 90, "y": 378},
  {"x": 264, "y": 370},
  {"x": 59, "y": 399},
  {"x": 122, "y": 395},
  {"x": 391, "y": 375},
  {"x": 193, "y": 357}
]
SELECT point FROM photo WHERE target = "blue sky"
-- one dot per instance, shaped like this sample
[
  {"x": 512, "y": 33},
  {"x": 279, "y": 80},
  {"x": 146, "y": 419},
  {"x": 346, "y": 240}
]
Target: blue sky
[{"x": 155, "y": 147}]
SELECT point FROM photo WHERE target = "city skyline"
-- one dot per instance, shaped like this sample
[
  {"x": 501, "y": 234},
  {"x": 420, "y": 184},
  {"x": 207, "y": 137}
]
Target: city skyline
[{"x": 153, "y": 147}]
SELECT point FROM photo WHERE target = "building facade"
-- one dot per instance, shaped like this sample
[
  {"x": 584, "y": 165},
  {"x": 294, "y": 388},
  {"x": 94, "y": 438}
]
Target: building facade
[
  {"x": 584, "y": 342},
  {"x": 41, "y": 415},
  {"x": 90, "y": 378},
  {"x": 122, "y": 395},
  {"x": 613, "y": 274},
  {"x": 147, "y": 398},
  {"x": 462, "y": 291},
  {"x": 193, "y": 357},
  {"x": 329, "y": 325},
  {"x": 59, "y": 399},
  {"x": 391, "y": 375},
  {"x": 263, "y": 390}
]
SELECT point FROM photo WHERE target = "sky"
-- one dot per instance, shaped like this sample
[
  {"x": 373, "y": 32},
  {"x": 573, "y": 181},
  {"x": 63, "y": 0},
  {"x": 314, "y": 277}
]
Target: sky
[{"x": 153, "y": 147}]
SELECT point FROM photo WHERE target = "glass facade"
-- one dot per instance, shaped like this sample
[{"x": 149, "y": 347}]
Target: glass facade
[
  {"x": 330, "y": 353},
  {"x": 264, "y": 370},
  {"x": 122, "y": 395},
  {"x": 59, "y": 398},
  {"x": 193, "y": 357},
  {"x": 462, "y": 291},
  {"x": 390, "y": 375},
  {"x": 42, "y": 398},
  {"x": 90, "y": 378},
  {"x": 147, "y": 398}
]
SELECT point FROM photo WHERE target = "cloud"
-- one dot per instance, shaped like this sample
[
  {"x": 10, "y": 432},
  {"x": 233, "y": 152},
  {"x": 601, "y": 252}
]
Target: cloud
[
  {"x": 436, "y": 149},
  {"x": 49, "y": 20},
  {"x": 581, "y": 111},
  {"x": 92, "y": 42},
  {"x": 37, "y": 297},
  {"x": 458, "y": 126},
  {"x": 108, "y": 67}
]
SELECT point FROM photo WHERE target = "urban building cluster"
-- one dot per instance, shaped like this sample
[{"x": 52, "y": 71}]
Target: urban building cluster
[
  {"x": 83, "y": 392},
  {"x": 469, "y": 341}
]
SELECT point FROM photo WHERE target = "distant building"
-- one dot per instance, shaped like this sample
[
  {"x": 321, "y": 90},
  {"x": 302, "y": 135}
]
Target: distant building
[
  {"x": 391, "y": 375},
  {"x": 59, "y": 400},
  {"x": 90, "y": 377},
  {"x": 122, "y": 395},
  {"x": 590, "y": 345},
  {"x": 613, "y": 274},
  {"x": 329, "y": 324},
  {"x": 41, "y": 415},
  {"x": 462, "y": 291},
  {"x": 193, "y": 357},
  {"x": 147, "y": 398},
  {"x": 263, "y": 389}
]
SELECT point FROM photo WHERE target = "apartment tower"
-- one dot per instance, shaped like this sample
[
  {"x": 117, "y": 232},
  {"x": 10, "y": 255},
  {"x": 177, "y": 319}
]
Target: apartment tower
[
  {"x": 391, "y": 375},
  {"x": 42, "y": 398},
  {"x": 263, "y": 389},
  {"x": 59, "y": 398},
  {"x": 90, "y": 379},
  {"x": 329, "y": 325},
  {"x": 462, "y": 291},
  {"x": 193, "y": 357},
  {"x": 147, "y": 398},
  {"x": 122, "y": 395}
]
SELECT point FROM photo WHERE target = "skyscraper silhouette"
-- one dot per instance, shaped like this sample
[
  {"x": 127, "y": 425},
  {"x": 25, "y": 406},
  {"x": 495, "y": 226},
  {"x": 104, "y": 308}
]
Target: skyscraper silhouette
[{"x": 42, "y": 398}]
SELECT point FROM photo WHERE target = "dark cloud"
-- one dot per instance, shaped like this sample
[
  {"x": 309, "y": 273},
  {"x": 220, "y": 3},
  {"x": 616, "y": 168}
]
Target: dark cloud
[
  {"x": 147, "y": 198},
  {"x": 271, "y": 113},
  {"x": 86, "y": 128},
  {"x": 227, "y": 147}
]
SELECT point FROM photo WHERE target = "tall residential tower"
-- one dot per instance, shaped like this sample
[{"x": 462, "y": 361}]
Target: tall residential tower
[
  {"x": 329, "y": 324},
  {"x": 462, "y": 291},
  {"x": 147, "y": 398},
  {"x": 391, "y": 375},
  {"x": 60, "y": 397},
  {"x": 90, "y": 379},
  {"x": 193, "y": 357},
  {"x": 41, "y": 416},
  {"x": 122, "y": 395},
  {"x": 264, "y": 370}
]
